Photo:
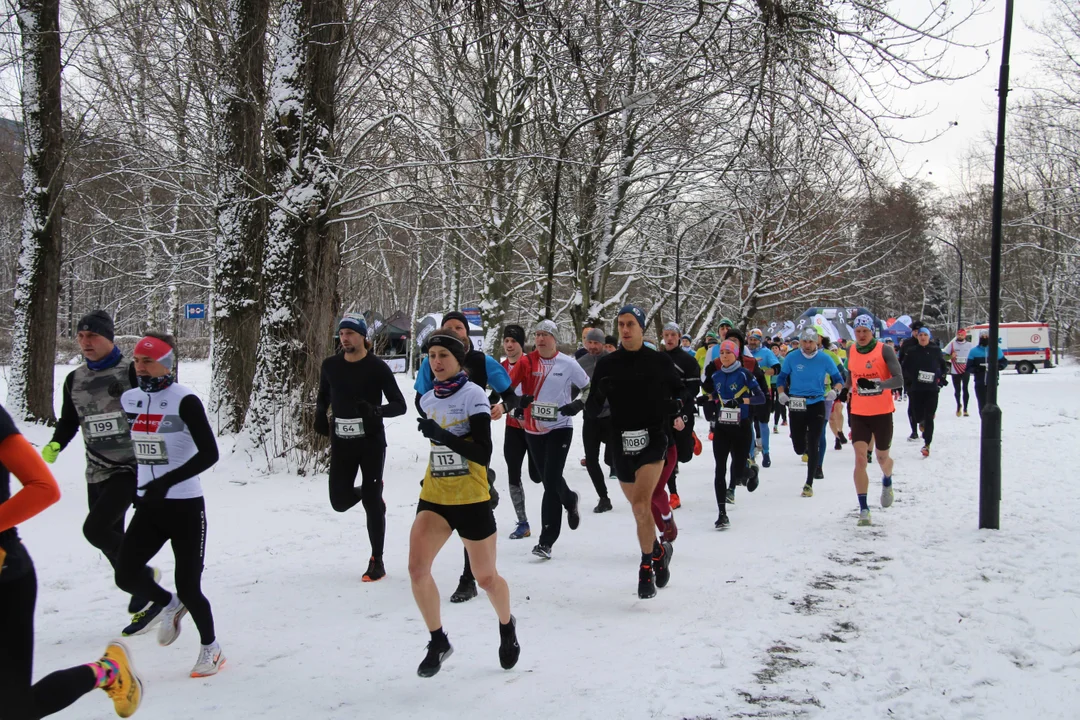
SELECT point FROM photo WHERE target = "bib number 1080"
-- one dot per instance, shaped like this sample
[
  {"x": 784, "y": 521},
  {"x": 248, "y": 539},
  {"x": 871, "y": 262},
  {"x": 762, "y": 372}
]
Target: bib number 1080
[{"x": 634, "y": 441}]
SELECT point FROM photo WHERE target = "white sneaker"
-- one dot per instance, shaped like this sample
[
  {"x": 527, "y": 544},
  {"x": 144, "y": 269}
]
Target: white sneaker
[
  {"x": 211, "y": 659},
  {"x": 171, "y": 616},
  {"x": 886, "y": 496},
  {"x": 864, "y": 518}
]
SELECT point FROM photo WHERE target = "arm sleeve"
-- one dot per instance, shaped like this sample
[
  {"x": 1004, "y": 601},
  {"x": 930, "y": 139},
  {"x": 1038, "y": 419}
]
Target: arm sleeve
[
  {"x": 395, "y": 401},
  {"x": 897, "y": 380},
  {"x": 194, "y": 417},
  {"x": 498, "y": 378},
  {"x": 68, "y": 424},
  {"x": 479, "y": 449},
  {"x": 416, "y": 404},
  {"x": 594, "y": 403},
  {"x": 322, "y": 400},
  {"x": 39, "y": 486}
]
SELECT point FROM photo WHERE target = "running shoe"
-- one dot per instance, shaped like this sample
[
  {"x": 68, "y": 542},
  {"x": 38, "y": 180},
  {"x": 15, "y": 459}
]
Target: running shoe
[
  {"x": 466, "y": 590},
  {"x": 676, "y": 503},
  {"x": 819, "y": 474},
  {"x": 138, "y": 604},
  {"x": 542, "y": 551},
  {"x": 603, "y": 506},
  {"x": 671, "y": 530},
  {"x": 925, "y": 451},
  {"x": 730, "y": 497},
  {"x": 753, "y": 480},
  {"x": 646, "y": 587},
  {"x": 957, "y": 412},
  {"x": 783, "y": 423},
  {"x": 126, "y": 688},
  {"x": 966, "y": 413},
  {"x": 143, "y": 621},
  {"x": 375, "y": 571},
  {"x": 522, "y": 531},
  {"x": 808, "y": 491},
  {"x": 766, "y": 461},
  {"x": 211, "y": 659},
  {"x": 583, "y": 463},
  {"x": 887, "y": 496},
  {"x": 509, "y": 650},
  {"x": 838, "y": 445},
  {"x": 573, "y": 518},
  {"x": 697, "y": 444},
  {"x": 171, "y": 616},
  {"x": 722, "y": 522},
  {"x": 913, "y": 437},
  {"x": 805, "y": 457},
  {"x": 864, "y": 518},
  {"x": 437, "y": 652},
  {"x": 661, "y": 563}
]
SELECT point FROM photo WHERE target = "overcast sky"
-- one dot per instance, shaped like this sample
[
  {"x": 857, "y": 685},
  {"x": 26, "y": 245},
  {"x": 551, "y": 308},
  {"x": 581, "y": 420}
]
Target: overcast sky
[{"x": 972, "y": 102}]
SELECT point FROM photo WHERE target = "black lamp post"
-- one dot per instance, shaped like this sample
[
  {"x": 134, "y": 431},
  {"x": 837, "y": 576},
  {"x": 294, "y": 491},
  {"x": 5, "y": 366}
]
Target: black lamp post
[{"x": 990, "y": 455}]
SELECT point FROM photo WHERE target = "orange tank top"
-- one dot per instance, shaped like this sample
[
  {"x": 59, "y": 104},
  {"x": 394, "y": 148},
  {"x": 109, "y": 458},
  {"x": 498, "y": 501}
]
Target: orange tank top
[{"x": 871, "y": 365}]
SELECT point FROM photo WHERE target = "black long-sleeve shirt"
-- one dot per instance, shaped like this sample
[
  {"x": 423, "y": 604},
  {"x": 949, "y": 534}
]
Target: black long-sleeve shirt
[
  {"x": 343, "y": 384},
  {"x": 690, "y": 374},
  {"x": 642, "y": 388}
]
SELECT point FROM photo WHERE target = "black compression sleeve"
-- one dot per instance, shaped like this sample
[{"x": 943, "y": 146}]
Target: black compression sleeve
[
  {"x": 322, "y": 400},
  {"x": 194, "y": 417},
  {"x": 68, "y": 424},
  {"x": 395, "y": 401},
  {"x": 478, "y": 449},
  {"x": 416, "y": 404}
]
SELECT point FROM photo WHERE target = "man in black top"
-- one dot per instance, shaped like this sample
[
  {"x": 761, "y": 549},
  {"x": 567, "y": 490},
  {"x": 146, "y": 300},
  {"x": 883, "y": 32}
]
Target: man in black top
[
  {"x": 690, "y": 374},
  {"x": 91, "y": 402},
  {"x": 644, "y": 393},
  {"x": 352, "y": 385}
]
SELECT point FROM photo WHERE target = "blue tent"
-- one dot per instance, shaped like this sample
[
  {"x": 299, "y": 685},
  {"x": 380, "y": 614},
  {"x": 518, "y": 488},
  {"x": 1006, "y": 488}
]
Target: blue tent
[{"x": 899, "y": 331}]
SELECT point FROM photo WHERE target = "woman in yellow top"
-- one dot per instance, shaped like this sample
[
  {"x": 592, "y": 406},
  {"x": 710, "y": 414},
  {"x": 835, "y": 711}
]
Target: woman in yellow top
[{"x": 455, "y": 496}]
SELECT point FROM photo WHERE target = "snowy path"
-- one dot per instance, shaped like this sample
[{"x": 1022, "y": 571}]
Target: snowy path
[{"x": 792, "y": 611}]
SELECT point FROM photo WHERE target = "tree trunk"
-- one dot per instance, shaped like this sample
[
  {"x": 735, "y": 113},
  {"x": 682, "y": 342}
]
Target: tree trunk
[
  {"x": 37, "y": 286},
  {"x": 241, "y": 216},
  {"x": 303, "y": 250}
]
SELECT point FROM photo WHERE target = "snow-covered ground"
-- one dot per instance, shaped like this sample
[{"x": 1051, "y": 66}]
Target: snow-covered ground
[{"x": 793, "y": 611}]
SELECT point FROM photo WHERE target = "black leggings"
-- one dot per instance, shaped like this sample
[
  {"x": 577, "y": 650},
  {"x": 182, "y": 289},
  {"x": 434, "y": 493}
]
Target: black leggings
[
  {"x": 729, "y": 441},
  {"x": 549, "y": 452},
  {"x": 961, "y": 381},
  {"x": 806, "y": 428},
  {"x": 19, "y": 699},
  {"x": 593, "y": 432},
  {"x": 516, "y": 451},
  {"x": 366, "y": 457},
  {"x": 779, "y": 411},
  {"x": 923, "y": 407},
  {"x": 104, "y": 526},
  {"x": 183, "y": 524}
]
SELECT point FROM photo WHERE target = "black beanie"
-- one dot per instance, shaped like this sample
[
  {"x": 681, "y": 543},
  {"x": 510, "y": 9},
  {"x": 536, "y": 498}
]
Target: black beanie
[
  {"x": 456, "y": 315},
  {"x": 99, "y": 323},
  {"x": 515, "y": 332},
  {"x": 448, "y": 340}
]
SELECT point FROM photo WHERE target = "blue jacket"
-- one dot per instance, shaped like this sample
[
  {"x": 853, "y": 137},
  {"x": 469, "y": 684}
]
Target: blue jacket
[
  {"x": 738, "y": 384},
  {"x": 976, "y": 363},
  {"x": 805, "y": 377}
]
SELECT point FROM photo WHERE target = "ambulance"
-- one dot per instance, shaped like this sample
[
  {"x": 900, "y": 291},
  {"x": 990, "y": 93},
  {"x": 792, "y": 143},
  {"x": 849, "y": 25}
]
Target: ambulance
[{"x": 1025, "y": 345}]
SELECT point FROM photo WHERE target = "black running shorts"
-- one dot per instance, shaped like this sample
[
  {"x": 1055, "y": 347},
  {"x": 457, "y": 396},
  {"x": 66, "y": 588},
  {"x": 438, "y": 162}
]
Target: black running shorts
[
  {"x": 626, "y": 466},
  {"x": 474, "y": 521},
  {"x": 878, "y": 427}
]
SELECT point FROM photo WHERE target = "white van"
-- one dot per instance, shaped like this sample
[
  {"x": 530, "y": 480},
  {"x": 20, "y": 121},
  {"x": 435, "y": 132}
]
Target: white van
[{"x": 1024, "y": 344}]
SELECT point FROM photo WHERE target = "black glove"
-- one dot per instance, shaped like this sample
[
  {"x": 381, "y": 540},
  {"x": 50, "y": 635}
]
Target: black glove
[
  {"x": 571, "y": 409},
  {"x": 674, "y": 407},
  {"x": 867, "y": 384},
  {"x": 524, "y": 402},
  {"x": 367, "y": 410},
  {"x": 518, "y": 414},
  {"x": 322, "y": 425},
  {"x": 701, "y": 400},
  {"x": 843, "y": 396},
  {"x": 154, "y": 492},
  {"x": 733, "y": 403},
  {"x": 431, "y": 429}
]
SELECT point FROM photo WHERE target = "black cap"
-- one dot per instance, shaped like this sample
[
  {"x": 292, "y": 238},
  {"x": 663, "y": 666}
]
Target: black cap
[
  {"x": 611, "y": 340},
  {"x": 99, "y": 323},
  {"x": 515, "y": 332}
]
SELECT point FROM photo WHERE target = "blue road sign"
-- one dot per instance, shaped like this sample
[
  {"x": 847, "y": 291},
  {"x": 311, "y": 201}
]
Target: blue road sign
[{"x": 195, "y": 311}]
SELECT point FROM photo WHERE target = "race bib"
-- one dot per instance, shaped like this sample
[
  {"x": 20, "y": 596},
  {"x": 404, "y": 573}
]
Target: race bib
[
  {"x": 634, "y": 441},
  {"x": 103, "y": 426},
  {"x": 544, "y": 411},
  {"x": 729, "y": 416},
  {"x": 926, "y": 376},
  {"x": 150, "y": 449},
  {"x": 876, "y": 390},
  {"x": 797, "y": 404},
  {"x": 345, "y": 428},
  {"x": 447, "y": 463}
]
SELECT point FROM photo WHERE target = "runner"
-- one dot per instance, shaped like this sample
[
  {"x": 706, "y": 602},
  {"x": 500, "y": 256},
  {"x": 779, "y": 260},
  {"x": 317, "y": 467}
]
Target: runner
[
  {"x": 456, "y": 496},
  {"x": 548, "y": 381},
  {"x": 824, "y": 346},
  {"x": 924, "y": 372},
  {"x": 611, "y": 343},
  {"x": 800, "y": 388},
  {"x": 957, "y": 351},
  {"x": 588, "y": 327},
  {"x": 770, "y": 365},
  {"x": 643, "y": 390},
  {"x": 20, "y": 697},
  {"x": 686, "y": 441},
  {"x": 688, "y": 344},
  {"x": 91, "y": 402},
  {"x": 482, "y": 370},
  {"x": 872, "y": 370},
  {"x": 173, "y": 444},
  {"x": 780, "y": 411},
  {"x": 515, "y": 449},
  {"x": 703, "y": 351},
  {"x": 352, "y": 385},
  {"x": 978, "y": 367},
  {"x": 596, "y": 430}
]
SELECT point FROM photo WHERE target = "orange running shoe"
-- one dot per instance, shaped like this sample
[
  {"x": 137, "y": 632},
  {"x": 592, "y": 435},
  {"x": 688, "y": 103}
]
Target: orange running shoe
[
  {"x": 675, "y": 502},
  {"x": 697, "y": 443}
]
